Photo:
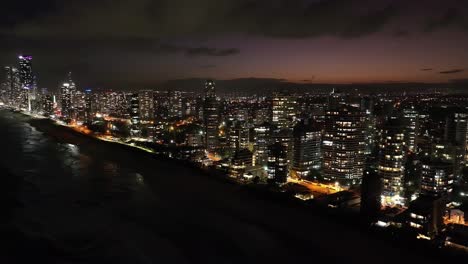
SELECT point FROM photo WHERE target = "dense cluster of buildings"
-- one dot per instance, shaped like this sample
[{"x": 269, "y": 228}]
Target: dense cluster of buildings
[{"x": 413, "y": 147}]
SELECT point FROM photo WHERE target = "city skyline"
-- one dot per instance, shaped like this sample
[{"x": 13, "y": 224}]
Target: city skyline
[
  {"x": 237, "y": 130},
  {"x": 393, "y": 160},
  {"x": 301, "y": 42}
]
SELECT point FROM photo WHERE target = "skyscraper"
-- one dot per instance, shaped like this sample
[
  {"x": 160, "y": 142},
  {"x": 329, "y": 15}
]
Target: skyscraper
[
  {"x": 343, "y": 145},
  {"x": 146, "y": 105},
  {"x": 392, "y": 157},
  {"x": 67, "y": 91},
  {"x": 262, "y": 140},
  {"x": 436, "y": 178},
  {"x": 135, "y": 115},
  {"x": 210, "y": 116},
  {"x": 283, "y": 110},
  {"x": 277, "y": 170},
  {"x": 410, "y": 120},
  {"x": 238, "y": 137},
  {"x": 307, "y": 154},
  {"x": 370, "y": 133},
  {"x": 175, "y": 106},
  {"x": 371, "y": 189},
  {"x": 48, "y": 105},
  {"x": 285, "y": 137},
  {"x": 12, "y": 86},
  {"x": 88, "y": 106},
  {"x": 460, "y": 141},
  {"x": 25, "y": 72},
  {"x": 27, "y": 81}
]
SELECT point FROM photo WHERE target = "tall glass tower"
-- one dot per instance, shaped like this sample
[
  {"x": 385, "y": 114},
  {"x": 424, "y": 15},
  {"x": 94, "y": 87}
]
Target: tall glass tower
[
  {"x": 343, "y": 145},
  {"x": 25, "y": 71},
  {"x": 210, "y": 116},
  {"x": 27, "y": 81},
  {"x": 392, "y": 156},
  {"x": 67, "y": 90}
]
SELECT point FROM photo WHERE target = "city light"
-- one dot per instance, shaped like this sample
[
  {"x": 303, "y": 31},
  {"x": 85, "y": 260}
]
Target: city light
[{"x": 375, "y": 141}]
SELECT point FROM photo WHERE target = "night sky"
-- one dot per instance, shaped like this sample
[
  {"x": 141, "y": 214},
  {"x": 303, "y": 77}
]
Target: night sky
[{"x": 142, "y": 43}]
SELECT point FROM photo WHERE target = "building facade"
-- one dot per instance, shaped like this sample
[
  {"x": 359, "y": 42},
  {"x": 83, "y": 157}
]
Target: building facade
[
  {"x": 436, "y": 178},
  {"x": 391, "y": 162},
  {"x": 283, "y": 110},
  {"x": 277, "y": 170},
  {"x": 307, "y": 150},
  {"x": 210, "y": 116},
  {"x": 343, "y": 145}
]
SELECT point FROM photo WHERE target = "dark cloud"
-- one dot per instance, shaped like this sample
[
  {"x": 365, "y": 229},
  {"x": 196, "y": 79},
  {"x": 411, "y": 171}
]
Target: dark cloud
[
  {"x": 207, "y": 66},
  {"x": 453, "y": 16},
  {"x": 167, "y": 18},
  {"x": 370, "y": 23},
  {"x": 452, "y": 71},
  {"x": 401, "y": 33},
  {"x": 427, "y": 69},
  {"x": 172, "y": 18},
  {"x": 16, "y": 12},
  {"x": 205, "y": 51},
  {"x": 193, "y": 51},
  {"x": 113, "y": 44}
]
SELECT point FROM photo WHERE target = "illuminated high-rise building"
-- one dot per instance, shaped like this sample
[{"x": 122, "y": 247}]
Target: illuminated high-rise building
[
  {"x": 411, "y": 126},
  {"x": 78, "y": 99},
  {"x": 262, "y": 114},
  {"x": 12, "y": 86},
  {"x": 460, "y": 142},
  {"x": 146, "y": 105},
  {"x": 370, "y": 133},
  {"x": 175, "y": 106},
  {"x": 283, "y": 110},
  {"x": 28, "y": 84},
  {"x": 88, "y": 106},
  {"x": 449, "y": 144},
  {"x": 135, "y": 129},
  {"x": 65, "y": 100},
  {"x": 111, "y": 103},
  {"x": 461, "y": 128},
  {"x": 436, "y": 178},
  {"x": 307, "y": 151},
  {"x": 25, "y": 72},
  {"x": 391, "y": 164},
  {"x": 210, "y": 116},
  {"x": 285, "y": 137},
  {"x": 277, "y": 168},
  {"x": 79, "y": 105},
  {"x": 48, "y": 105},
  {"x": 67, "y": 92},
  {"x": 238, "y": 137},
  {"x": 161, "y": 106},
  {"x": 27, "y": 81},
  {"x": 262, "y": 139},
  {"x": 343, "y": 145}
]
